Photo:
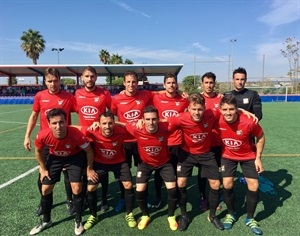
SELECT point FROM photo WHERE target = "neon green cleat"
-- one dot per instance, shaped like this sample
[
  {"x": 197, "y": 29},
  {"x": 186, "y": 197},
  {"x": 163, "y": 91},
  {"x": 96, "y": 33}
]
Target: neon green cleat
[
  {"x": 144, "y": 221},
  {"x": 91, "y": 221},
  {"x": 130, "y": 220},
  {"x": 172, "y": 223}
]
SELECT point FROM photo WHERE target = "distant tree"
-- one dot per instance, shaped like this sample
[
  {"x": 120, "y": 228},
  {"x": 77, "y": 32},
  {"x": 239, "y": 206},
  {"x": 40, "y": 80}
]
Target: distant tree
[
  {"x": 33, "y": 44},
  {"x": 11, "y": 81},
  {"x": 191, "y": 84},
  {"x": 116, "y": 59},
  {"x": 128, "y": 61},
  {"x": 291, "y": 52},
  {"x": 66, "y": 81},
  {"x": 104, "y": 56}
]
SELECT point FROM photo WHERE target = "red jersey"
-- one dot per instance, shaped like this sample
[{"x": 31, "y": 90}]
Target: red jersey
[
  {"x": 91, "y": 104},
  {"x": 237, "y": 142},
  {"x": 129, "y": 108},
  {"x": 108, "y": 150},
  {"x": 168, "y": 107},
  {"x": 214, "y": 104},
  {"x": 73, "y": 143},
  {"x": 153, "y": 148},
  {"x": 45, "y": 101},
  {"x": 196, "y": 135}
]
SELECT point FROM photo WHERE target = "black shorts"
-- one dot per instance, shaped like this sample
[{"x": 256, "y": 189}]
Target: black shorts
[
  {"x": 206, "y": 161},
  {"x": 217, "y": 150},
  {"x": 75, "y": 166},
  {"x": 228, "y": 168},
  {"x": 144, "y": 172},
  {"x": 121, "y": 171},
  {"x": 131, "y": 150},
  {"x": 174, "y": 151}
]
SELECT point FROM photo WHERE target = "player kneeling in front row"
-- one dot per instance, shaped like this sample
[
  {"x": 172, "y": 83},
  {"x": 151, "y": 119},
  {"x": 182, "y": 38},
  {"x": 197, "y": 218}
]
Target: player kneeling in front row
[
  {"x": 65, "y": 151},
  {"x": 236, "y": 131},
  {"x": 109, "y": 156},
  {"x": 152, "y": 140}
]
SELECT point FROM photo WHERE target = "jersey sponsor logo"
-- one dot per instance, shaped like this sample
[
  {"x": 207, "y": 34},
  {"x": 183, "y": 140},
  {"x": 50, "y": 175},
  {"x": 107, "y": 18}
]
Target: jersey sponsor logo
[
  {"x": 169, "y": 113},
  {"x": 132, "y": 114},
  {"x": 199, "y": 137},
  {"x": 144, "y": 138},
  {"x": 222, "y": 129},
  {"x": 44, "y": 100},
  {"x": 81, "y": 97},
  {"x": 108, "y": 153},
  {"x": 245, "y": 100},
  {"x": 152, "y": 150},
  {"x": 89, "y": 110},
  {"x": 163, "y": 101},
  {"x": 233, "y": 143},
  {"x": 123, "y": 103},
  {"x": 61, "y": 153}
]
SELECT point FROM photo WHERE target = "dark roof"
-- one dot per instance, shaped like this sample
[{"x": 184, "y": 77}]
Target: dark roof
[{"x": 102, "y": 70}]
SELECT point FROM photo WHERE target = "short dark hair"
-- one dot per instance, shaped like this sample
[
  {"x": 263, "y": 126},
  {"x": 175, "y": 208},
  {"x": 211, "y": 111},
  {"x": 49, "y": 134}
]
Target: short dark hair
[
  {"x": 169, "y": 75},
  {"x": 52, "y": 71},
  {"x": 56, "y": 112},
  {"x": 107, "y": 114},
  {"x": 132, "y": 73},
  {"x": 196, "y": 98},
  {"x": 228, "y": 99},
  {"x": 240, "y": 70},
  {"x": 150, "y": 109},
  {"x": 91, "y": 69},
  {"x": 209, "y": 75}
]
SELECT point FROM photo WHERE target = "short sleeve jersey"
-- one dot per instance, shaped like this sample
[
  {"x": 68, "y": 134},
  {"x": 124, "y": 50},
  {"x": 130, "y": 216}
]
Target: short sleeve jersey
[
  {"x": 153, "y": 148},
  {"x": 169, "y": 107},
  {"x": 74, "y": 142},
  {"x": 196, "y": 135},
  {"x": 91, "y": 104},
  {"x": 214, "y": 104},
  {"x": 44, "y": 102},
  {"x": 108, "y": 150},
  {"x": 129, "y": 109},
  {"x": 236, "y": 137}
]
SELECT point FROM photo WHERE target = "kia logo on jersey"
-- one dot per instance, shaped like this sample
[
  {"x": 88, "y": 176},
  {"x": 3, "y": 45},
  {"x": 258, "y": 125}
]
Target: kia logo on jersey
[
  {"x": 229, "y": 142},
  {"x": 169, "y": 113},
  {"x": 107, "y": 153},
  {"x": 132, "y": 114},
  {"x": 152, "y": 150},
  {"x": 199, "y": 137},
  {"x": 89, "y": 110}
]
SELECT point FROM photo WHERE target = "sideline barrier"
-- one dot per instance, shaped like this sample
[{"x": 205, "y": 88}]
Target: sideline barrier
[{"x": 16, "y": 100}]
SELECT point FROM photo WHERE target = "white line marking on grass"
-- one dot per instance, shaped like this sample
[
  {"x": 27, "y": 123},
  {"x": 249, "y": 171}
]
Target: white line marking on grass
[
  {"x": 7, "y": 112},
  {"x": 13, "y": 122},
  {"x": 18, "y": 177}
]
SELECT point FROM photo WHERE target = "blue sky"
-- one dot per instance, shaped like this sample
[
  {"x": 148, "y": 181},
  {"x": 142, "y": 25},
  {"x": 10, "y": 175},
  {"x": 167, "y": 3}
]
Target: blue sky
[{"x": 156, "y": 31}]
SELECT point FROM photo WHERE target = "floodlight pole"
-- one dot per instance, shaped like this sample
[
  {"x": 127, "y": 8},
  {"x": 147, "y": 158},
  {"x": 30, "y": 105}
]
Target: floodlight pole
[
  {"x": 232, "y": 41},
  {"x": 58, "y": 50}
]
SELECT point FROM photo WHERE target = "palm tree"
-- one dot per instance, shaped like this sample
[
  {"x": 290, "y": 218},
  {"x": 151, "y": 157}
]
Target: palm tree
[
  {"x": 33, "y": 44},
  {"x": 104, "y": 56},
  {"x": 128, "y": 61},
  {"x": 116, "y": 59}
]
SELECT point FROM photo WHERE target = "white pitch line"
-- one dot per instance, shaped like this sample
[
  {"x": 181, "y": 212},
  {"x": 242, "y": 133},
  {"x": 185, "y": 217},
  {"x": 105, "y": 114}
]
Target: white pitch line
[
  {"x": 13, "y": 122},
  {"x": 18, "y": 177},
  {"x": 7, "y": 112}
]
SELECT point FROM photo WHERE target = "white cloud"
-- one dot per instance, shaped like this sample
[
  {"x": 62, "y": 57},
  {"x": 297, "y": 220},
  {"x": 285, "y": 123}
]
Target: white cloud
[
  {"x": 130, "y": 9},
  {"x": 272, "y": 53},
  {"x": 281, "y": 12},
  {"x": 201, "y": 47}
]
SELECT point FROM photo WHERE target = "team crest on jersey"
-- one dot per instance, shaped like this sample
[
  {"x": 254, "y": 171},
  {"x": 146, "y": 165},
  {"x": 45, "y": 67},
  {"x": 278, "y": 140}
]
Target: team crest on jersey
[
  {"x": 115, "y": 144},
  {"x": 178, "y": 168},
  {"x": 139, "y": 174},
  {"x": 68, "y": 146},
  {"x": 216, "y": 105},
  {"x": 60, "y": 102},
  {"x": 239, "y": 132},
  {"x": 138, "y": 102},
  {"x": 160, "y": 139},
  {"x": 96, "y": 99},
  {"x": 177, "y": 103},
  {"x": 222, "y": 168},
  {"x": 205, "y": 125}
]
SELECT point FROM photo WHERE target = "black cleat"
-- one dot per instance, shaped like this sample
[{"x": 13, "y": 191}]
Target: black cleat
[
  {"x": 38, "y": 211},
  {"x": 216, "y": 222},
  {"x": 183, "y": 223}
]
